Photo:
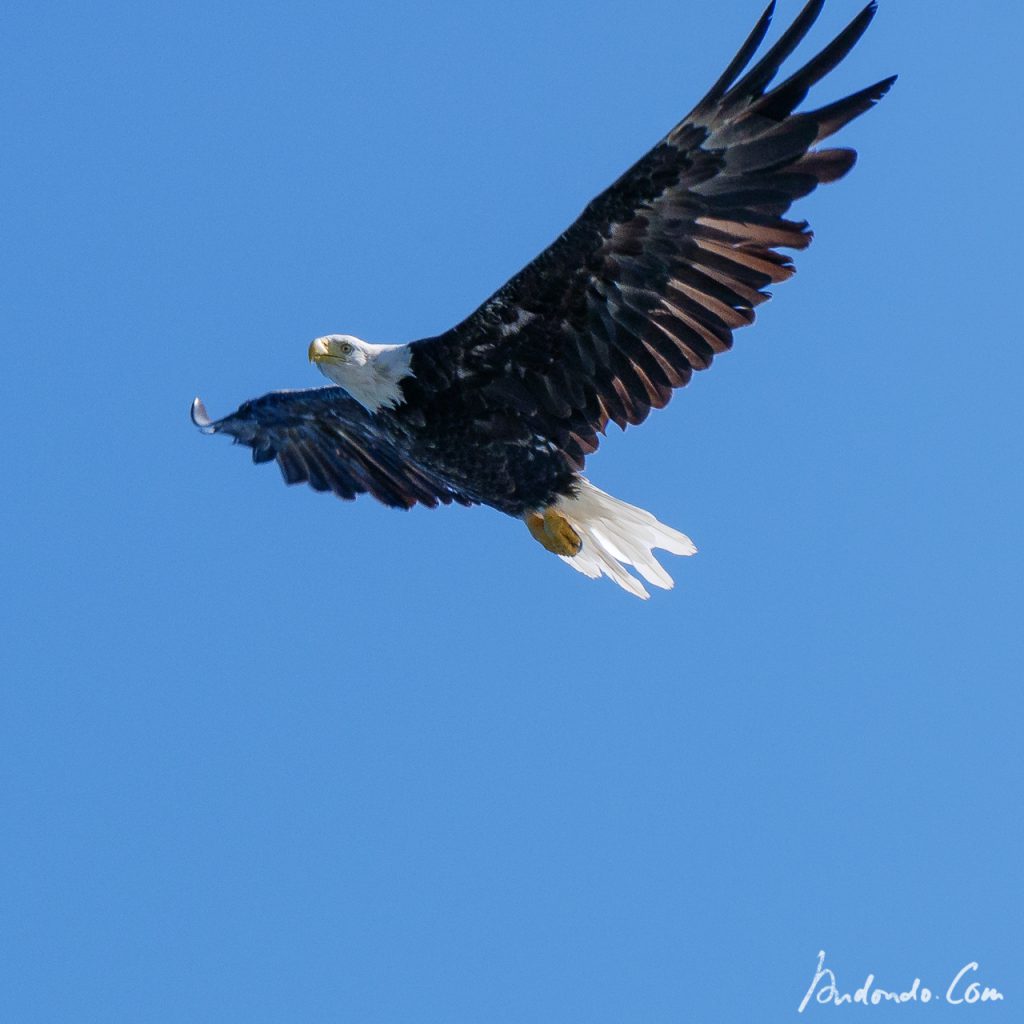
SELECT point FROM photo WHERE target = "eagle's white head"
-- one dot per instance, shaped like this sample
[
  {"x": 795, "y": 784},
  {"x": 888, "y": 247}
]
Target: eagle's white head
[{"x": 369, "y": 373}]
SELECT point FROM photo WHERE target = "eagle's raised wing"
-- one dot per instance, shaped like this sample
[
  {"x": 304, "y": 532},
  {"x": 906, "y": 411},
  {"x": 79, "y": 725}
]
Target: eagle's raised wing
[
  {"x": 324, "y": 437},
  {"x": 659, "y": 270}
]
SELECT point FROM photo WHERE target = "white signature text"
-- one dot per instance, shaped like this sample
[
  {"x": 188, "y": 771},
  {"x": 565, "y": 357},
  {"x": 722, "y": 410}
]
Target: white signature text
[{"x": 962, "y": 990}]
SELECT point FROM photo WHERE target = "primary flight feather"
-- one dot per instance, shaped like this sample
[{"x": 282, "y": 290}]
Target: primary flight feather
[{"x": 644, "y": 288}]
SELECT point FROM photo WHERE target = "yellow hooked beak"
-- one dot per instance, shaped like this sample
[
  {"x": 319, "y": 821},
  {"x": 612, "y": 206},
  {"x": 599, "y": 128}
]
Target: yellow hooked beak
[{"x": 319, "y": 349}]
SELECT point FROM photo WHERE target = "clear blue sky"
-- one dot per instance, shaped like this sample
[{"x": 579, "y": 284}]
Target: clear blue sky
[{"x": 266, "y": 756}]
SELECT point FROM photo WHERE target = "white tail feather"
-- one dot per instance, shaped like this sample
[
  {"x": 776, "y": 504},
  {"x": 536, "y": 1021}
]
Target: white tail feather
[{"x": 615, "y": 534}]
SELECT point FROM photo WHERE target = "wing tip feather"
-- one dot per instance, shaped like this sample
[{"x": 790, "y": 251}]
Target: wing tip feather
[{"x": 201, "y": 418}]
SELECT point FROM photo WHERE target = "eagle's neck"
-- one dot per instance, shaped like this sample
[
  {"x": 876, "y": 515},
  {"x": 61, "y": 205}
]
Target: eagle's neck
[{"x": 375, "y": 383}]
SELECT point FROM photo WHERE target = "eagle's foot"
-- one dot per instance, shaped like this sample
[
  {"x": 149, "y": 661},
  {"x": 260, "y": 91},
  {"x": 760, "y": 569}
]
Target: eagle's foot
[{"x": 553, "y": 531}]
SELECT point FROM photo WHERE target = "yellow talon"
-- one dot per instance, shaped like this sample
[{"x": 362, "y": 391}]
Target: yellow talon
[{"x": 553, "y": 531}]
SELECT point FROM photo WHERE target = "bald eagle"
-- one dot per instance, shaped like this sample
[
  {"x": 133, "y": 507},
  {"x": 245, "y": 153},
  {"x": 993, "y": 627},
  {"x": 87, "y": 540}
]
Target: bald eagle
[{"x": 643, "y": 289}]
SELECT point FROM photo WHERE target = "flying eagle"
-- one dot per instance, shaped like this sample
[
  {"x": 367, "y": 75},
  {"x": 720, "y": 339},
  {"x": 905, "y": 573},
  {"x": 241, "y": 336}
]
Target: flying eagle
[{"x": 642, "y": 290}]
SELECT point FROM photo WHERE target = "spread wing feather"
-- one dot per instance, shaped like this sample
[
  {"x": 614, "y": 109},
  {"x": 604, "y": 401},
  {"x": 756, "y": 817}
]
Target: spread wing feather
[
  {"x": 322, "y": 437},
  {"x": 659, "y": 270}
]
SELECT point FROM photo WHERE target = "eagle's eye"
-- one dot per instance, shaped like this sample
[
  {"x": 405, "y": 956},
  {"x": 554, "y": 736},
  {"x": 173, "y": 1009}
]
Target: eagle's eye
[{"x": 345, "y": 348}]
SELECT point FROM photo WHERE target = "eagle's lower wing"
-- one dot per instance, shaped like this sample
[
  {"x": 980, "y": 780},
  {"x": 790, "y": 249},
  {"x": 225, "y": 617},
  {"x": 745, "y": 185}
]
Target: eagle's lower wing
[
  {"x": 323, "y": 437},
  {"x": 659, "y": 270}
]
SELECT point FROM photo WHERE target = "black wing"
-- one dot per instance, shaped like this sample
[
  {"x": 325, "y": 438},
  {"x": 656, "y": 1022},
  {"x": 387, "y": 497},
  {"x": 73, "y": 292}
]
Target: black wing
[
  {"x": 324, "y": 437},
  {"x": 659, "y": 270}
]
